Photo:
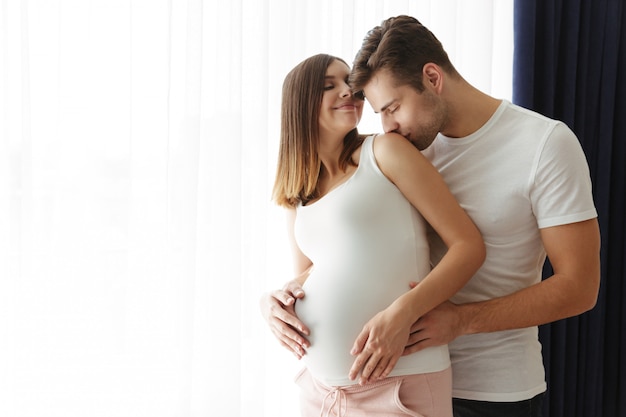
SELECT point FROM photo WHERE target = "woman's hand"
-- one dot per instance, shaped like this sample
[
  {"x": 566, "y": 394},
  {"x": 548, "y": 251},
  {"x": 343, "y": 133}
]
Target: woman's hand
[{"x": 379, "y": 345}]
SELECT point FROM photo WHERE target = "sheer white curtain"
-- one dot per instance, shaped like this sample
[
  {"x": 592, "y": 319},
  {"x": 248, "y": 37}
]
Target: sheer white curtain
[{"x": 137, "y": 153}]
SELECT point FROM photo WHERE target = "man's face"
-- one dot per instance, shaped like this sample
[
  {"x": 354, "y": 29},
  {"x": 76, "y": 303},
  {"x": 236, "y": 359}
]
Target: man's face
[{"x": 414, "y": 115}]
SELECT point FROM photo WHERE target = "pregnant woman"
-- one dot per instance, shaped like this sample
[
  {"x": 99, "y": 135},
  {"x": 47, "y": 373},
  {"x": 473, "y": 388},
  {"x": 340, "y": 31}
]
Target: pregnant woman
[{"x": 358, "y": 209}]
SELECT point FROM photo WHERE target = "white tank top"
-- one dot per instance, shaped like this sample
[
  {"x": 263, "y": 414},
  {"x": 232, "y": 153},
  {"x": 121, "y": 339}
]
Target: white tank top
[{"x": 366, "y": 242}]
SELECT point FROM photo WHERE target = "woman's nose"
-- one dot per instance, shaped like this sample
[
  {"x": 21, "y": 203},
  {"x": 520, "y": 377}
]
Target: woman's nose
[{"x": 346, "y": 93}]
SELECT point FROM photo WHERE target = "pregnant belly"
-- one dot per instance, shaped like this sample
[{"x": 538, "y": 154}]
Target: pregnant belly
[{"x": 335, "y": 308}]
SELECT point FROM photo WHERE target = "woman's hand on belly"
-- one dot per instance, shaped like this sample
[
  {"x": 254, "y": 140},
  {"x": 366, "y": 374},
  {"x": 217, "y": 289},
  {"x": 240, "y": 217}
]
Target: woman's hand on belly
[{"x": 379, "y": 345}]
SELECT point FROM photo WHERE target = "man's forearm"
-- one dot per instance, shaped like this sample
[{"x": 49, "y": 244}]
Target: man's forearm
[{"x": 545, "y": 302}]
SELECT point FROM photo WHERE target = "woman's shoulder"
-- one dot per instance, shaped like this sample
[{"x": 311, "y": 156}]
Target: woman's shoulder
[
  {"x": 391, "y": 145},
  {"x": 396, "y": 155}
]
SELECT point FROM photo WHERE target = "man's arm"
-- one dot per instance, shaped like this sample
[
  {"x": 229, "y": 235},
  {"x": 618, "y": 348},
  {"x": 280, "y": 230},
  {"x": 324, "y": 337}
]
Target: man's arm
[{"x": 574, "y": 252}]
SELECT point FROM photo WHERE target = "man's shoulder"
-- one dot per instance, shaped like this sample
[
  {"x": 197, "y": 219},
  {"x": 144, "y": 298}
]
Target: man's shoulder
[
  {"x": 524, "y": 114},
  {"x": 525, "y": 122}
]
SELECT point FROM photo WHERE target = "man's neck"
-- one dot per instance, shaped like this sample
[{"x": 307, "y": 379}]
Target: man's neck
[{"x": 469, "y": 109}]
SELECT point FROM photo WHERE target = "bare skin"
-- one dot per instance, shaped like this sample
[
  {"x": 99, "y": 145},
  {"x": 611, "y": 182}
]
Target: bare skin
[{"x": 278, "y": 311}]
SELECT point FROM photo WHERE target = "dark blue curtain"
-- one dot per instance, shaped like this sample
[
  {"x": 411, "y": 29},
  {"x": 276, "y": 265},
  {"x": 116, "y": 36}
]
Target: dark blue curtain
[{"x": 570, "y": 64}]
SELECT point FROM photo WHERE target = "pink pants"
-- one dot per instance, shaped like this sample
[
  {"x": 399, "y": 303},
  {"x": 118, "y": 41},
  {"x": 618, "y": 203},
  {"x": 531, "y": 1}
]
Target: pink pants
[{"x": 422, "y": 395}]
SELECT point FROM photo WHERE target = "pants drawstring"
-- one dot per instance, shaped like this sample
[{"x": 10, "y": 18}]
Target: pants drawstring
[{"x": 338, "y": 399}]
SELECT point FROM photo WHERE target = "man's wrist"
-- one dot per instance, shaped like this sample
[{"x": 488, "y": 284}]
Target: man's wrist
[{"x": 466, "y": 316}]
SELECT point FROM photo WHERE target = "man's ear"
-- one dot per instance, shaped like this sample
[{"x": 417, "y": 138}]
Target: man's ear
[{"x": 432, "y": 74}]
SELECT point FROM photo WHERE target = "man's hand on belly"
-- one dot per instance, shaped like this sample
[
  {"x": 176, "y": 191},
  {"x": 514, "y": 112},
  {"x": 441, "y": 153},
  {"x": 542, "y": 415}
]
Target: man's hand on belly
[
  {"x": 277, "y": 308},
  {"x": 439, "y": 326}
]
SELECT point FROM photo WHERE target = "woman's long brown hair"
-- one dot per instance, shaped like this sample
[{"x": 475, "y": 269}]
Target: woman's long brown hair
[{"x": 299, "y": 166}]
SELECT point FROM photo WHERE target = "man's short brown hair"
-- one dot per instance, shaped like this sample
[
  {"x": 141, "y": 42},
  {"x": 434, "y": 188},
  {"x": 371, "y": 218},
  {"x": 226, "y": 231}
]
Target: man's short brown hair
[{"x": 401, "y": 45}]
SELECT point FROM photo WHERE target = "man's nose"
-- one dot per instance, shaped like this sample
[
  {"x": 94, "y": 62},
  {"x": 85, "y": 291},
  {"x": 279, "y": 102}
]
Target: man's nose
[{"x": 389, "y": 125}]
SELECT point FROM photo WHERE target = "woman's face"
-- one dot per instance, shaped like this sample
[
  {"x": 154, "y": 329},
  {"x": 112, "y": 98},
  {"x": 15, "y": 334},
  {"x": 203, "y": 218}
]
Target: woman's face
[{"x": 340, "y": 112}]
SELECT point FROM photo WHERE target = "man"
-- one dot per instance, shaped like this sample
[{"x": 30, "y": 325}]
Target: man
[{"x": 523, "y": 179}]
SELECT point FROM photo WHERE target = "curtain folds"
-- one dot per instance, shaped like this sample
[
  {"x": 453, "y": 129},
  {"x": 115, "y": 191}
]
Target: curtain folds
[
  {"x": 569, "y": 64},
  {"x": 137, "y": 154}
]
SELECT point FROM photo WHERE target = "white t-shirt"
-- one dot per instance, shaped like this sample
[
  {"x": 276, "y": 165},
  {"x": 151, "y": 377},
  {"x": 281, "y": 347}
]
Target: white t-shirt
[
  {"x": 366, "y": 242},
  {"x": 517, "y": 174}
]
